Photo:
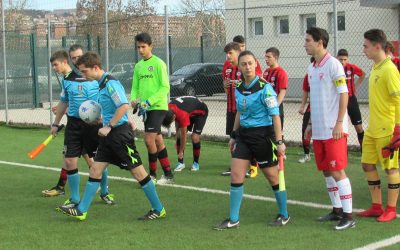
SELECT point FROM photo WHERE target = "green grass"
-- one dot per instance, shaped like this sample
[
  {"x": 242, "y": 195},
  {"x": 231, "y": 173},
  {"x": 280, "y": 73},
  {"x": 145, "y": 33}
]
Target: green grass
[{"x": 30, "y": 221}]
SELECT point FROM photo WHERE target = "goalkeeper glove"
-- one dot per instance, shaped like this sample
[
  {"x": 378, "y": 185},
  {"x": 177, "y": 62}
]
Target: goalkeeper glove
[
  {"x": 395, "y": 141},
  {"x": 143, "y": 113},
  {"x": 145, "y": 105},
  {"x": 388, "y": 151}
]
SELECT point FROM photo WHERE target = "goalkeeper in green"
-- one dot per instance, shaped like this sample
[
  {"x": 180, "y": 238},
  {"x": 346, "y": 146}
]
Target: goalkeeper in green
[{"x": 150, "y": 89}]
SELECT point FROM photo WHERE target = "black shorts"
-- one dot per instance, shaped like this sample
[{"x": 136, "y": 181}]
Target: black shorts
[
  {"x": 154, "y": 121},
  {"x": 353, "y": 109},
  {"x": 197, "y": 123},
  {"x": 118, "y": 148},
  {"x": 230, "y": 121},
  {"x": 256, "y": 143},
  {"x": 80, "y": 137}
]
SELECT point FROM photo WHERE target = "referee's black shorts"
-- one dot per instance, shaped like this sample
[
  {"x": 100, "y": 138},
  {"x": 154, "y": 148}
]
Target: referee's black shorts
[
  {"x": 256, "y": 143},
  {"x": 353, "y": 109},
  {"x": 118, "y": 148},
  {"x": 80, "y": 137}
]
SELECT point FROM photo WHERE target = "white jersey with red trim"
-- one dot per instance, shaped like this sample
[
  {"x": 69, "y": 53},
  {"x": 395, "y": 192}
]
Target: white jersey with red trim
[{"x": 327, "y": 81}]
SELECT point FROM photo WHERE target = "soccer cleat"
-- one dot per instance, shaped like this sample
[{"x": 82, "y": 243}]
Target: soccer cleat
[
  {"x": 345, "y": 223},
  {"x": 247, "y": 174},
  {"x": 153, "y": 214},
  {"x": 108, "y": 199},
  {"x": 179, "y": 167},
  {"x": 166, "y": 180},
  {"x": 387, "y": 216},
  {"x": 280, "y": 221},
  {"x": 54, "y": 191},
  {"x": 253, "y": 171},
  {"x": 226, "y": 173},
  {"x": 73, "y": 212},
  {"x": 195, "y": 166},
  {"x": 68, "y": 203},
  {"x": 305, "y": 158},
  {"x": 332, "y": 216},
  {"x": 371, "y": 212},
  {"x": 227, "y": 224}
]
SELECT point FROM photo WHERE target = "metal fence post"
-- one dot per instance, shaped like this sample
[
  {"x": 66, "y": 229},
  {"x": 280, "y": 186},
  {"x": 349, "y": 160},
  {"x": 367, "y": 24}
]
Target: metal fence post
[
  {"x": 335, "y": 28},
  {"x": 64, "y": 42},
  {"x": 201, "y": 49},
  {"x": 35, "y": 87},
  {"x": 49, "y": 69},
  {"x": 89, "y": 42},
  {"x": 4, "y": 62},
  {"x": 98, "y": 45},
  {"x": 167, "y": 41},
  {"x": 106, "y": 34},
  {"x": 245, "y": 20},
  {"x": 170, "y": 54}
]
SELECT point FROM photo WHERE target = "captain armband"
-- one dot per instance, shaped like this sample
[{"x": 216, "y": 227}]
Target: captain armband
[{"x": 340, "y": 81}]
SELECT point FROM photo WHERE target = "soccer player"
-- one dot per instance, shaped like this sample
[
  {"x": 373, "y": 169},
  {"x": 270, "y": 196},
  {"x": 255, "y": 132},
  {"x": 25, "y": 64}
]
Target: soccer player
[
  {"x": 189, "y": 114},
  {"x": 305, "y": 112},
  {"x": 231, "y": 75},
  {"x": 150, "y": 89},
  {"x": 276, "y": 76},
  {"x": 383, "y": 127},
  {"x": 256, "y": 121},
  {"x": 117, "y": 144},
  {"x": 328, "y": 102},
  {"x": 353, "y": 108},
  {"x": 76, "y": 51},
  {"x": 390, "y": 52},
  {"x": 78, "y": 136}
]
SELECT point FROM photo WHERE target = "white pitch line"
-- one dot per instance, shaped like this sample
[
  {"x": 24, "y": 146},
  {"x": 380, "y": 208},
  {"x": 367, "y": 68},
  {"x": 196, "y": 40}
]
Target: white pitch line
[
  {"x": 380, "y": 244},
  {"x": 199, "y": 189},
  {"x": 376, "y": 245}
]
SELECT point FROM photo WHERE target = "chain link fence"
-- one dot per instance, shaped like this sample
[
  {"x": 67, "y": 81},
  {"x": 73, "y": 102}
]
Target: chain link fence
[{"x": 194, "y": 42}]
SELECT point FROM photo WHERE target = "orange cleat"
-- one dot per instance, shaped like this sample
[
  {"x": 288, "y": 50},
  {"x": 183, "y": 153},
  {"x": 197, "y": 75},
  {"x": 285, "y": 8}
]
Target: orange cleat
[
  {"x": 387, "y": 216},
  {"x": 372, "y": 212}
]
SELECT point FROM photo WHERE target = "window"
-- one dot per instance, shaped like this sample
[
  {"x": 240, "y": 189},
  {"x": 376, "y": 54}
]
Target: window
[
  {"x": 341, "y": 21},
  {"x": 309, "y": 21},
  {"x": 282, "y": 25},
  {"x": 256, "y": 27}
]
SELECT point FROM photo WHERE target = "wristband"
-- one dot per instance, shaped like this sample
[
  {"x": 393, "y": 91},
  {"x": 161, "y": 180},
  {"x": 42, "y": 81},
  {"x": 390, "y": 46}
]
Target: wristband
[
  {"x": 54, "y": 125},
  {"x": 110, "y": 126},
  {"x": 279, "y": 142}
]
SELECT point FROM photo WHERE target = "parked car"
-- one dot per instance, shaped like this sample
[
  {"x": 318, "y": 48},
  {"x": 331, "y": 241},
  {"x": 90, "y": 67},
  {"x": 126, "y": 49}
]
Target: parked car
[
  {"x": 197, "y": 79},
  {"x": 123, "y": 72}
]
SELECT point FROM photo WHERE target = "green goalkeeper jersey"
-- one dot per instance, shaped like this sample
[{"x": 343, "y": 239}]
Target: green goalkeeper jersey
[{"x": 150, "y": 82}]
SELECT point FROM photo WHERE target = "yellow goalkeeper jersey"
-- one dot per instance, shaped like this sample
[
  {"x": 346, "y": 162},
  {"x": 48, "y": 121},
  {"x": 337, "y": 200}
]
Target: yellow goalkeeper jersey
[{"x": 384, "y": 96}]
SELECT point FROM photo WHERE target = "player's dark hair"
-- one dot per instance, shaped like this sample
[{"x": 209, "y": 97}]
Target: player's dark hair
[
  {"x": 312, "y": 59},
  {"x": 168, "y": 119},
  {"x": 389, "y": 47},
  {"x": 143, "y": 38},
  {"x": 319, "y": 34},
  {"x": 274, "y": 51},
  {"x": 59, "y": 55},
  {"x": 232, "y": 46},
  {"x": 89, "y": 59},
  {"x": 343, "y": 52},
  {"x": 238, "y": 39},
  {"x": 247, "y": 53},
  {"x": 376, "y": 36},
  {"x": 75, "y": 47}
]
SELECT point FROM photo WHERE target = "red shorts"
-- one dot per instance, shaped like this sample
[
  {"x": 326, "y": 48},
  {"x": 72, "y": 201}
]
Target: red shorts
[{"x": 331, "y": 154}]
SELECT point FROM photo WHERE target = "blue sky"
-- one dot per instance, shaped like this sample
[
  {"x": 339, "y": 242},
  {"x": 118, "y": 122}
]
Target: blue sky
[{"x": 70, "y": 4}]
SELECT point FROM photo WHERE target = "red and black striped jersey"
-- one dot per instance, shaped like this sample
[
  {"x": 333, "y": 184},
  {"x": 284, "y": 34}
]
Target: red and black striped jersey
[
  {"x": 396, "y": 62},
  {"x": 350, "y": 70},
  {"x": 185, "y": 107},
  {"x": 306, "y": 88},
  {"x": 277, "y": 77}
]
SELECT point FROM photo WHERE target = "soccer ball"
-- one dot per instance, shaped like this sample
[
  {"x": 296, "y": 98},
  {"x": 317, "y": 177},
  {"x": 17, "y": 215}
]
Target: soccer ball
[{"x": 90, "y": 111}]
